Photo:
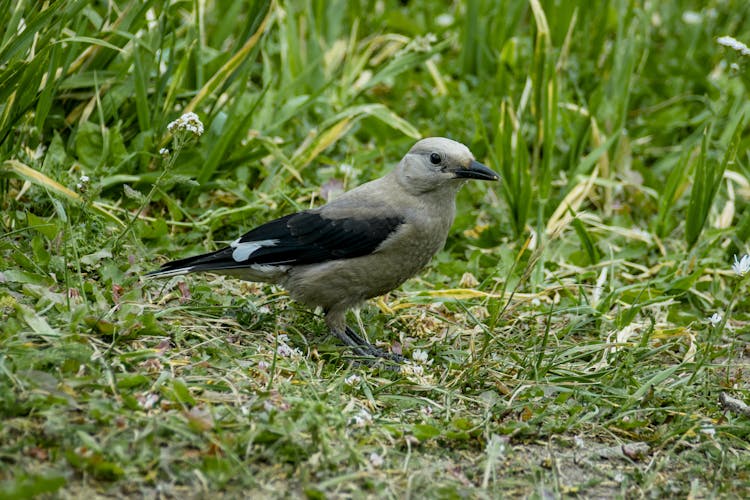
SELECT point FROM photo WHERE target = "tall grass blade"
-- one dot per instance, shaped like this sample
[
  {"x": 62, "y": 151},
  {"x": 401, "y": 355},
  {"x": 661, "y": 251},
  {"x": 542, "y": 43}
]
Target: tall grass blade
[{"x": 706, "y": 183}]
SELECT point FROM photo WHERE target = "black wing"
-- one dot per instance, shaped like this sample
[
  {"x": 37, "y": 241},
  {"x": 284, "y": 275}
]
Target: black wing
[{"x": 302, "y": 238}]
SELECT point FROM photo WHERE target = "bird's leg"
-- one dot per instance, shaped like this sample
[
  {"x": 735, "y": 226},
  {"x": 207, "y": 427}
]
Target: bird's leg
[
  {"x": 361, "y": 347},
  {"x": 355, "y": 336},
  {"x": 358, "y": 345},
  {"x": 370, "y": 350}
]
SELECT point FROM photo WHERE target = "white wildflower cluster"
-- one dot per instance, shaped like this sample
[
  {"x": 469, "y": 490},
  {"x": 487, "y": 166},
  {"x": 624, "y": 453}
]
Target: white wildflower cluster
[
  {"x": 352, "y": 380},
  {"x": 422, "y": 43},
  {"x": 732, "y": 43},
  {"x": 284, "y": 350},
  {"x": 188, "y": 122},
  {"x": 376, "y": 460},
  {"x": 83, "y": 184},
  {"x": 415, "y": 369},
  {"x": 288, "y": 352},
  {"x": 164, "y": 151},
  {"x": 420, "y": 356},
  {"x": 742, "y": 266},
  {"x": 360, "y": 419},
  {"x": 715, "y": 319},
  {"x": 147, "y": 400},
  {"x": 409, "y": 368}
]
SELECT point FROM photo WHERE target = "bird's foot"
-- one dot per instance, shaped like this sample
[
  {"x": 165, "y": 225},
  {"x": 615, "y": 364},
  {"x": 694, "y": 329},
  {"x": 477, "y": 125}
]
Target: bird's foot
[{"x": 361, "y": 347}]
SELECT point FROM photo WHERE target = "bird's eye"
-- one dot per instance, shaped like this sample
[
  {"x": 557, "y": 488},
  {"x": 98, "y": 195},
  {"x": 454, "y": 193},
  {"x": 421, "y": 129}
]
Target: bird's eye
[{"x": 435, "y": 158}]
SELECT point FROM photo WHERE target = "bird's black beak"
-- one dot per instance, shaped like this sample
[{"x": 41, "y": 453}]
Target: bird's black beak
[{"x": 476, "y": 170}]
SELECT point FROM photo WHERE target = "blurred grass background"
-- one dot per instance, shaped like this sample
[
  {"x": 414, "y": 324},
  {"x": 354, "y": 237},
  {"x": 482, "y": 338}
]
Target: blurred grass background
[{"x": 566, "y": 317}]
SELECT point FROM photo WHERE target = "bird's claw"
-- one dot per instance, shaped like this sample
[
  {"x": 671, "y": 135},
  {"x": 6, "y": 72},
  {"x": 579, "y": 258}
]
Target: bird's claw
[{"x": 362, "y": 347}]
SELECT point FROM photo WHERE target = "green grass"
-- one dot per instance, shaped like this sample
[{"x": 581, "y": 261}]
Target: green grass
[{"x": 565, "y": 324}]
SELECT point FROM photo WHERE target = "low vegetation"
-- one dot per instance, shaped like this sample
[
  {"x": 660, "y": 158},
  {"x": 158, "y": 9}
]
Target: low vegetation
[{"x": 583, "y": 333}]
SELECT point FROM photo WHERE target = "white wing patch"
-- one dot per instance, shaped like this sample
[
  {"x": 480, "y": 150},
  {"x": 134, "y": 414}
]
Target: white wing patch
[{"x": 243, "y": 251}]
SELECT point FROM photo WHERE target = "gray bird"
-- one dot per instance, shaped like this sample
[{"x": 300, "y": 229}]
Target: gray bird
[{"x": 361, "y": 245}]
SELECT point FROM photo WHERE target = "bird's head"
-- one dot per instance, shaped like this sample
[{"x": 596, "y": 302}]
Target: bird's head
[{"x": 438, "y": 163}]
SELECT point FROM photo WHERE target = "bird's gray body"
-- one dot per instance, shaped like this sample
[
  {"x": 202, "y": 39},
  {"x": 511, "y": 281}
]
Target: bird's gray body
[
  {"x": 399, "y": 257},
  {"x": 362, "y": 244}
]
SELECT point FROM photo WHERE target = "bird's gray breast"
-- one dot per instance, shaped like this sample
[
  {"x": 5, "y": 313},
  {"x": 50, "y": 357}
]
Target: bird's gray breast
[
  {"x": 408, "y": 251},
  {"x": 412, "y": 246}
]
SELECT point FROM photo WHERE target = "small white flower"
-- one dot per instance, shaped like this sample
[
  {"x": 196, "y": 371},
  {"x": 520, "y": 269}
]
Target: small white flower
[
  {"x": 420, "y": 356},
  {"x": 188, "y": 122},
  {"x": 287, "y": 352},
  {"x": 691, "y": 17},
  {"x": 147, "y": 400},
  {"x": 164, "y": 152},
  {"x": 742, "y": 266},
  {"x": 352, "y": 379},
  {"x": 708, "y": 429},
  {"x": 151, "y": 20},
  {"x": 412, "y": 369},
  {"x": 715, "y": 319},
  {"x": 347, "y": 170},
  {"x": 263, "y": 365},
  {"x": 376, "y": 460},
  {"x": 361, "y": 419},
  {"x": 83, "y": 184},
  {"x": 444, "y": 20},
  {"x": 423, "y": 43},
  {"x": 732, "y": 43},
  {"x": 579, "y": 442}
]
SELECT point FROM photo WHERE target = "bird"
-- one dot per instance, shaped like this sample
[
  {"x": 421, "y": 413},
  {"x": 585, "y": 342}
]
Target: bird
[{"x": 362, "y": 244}]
